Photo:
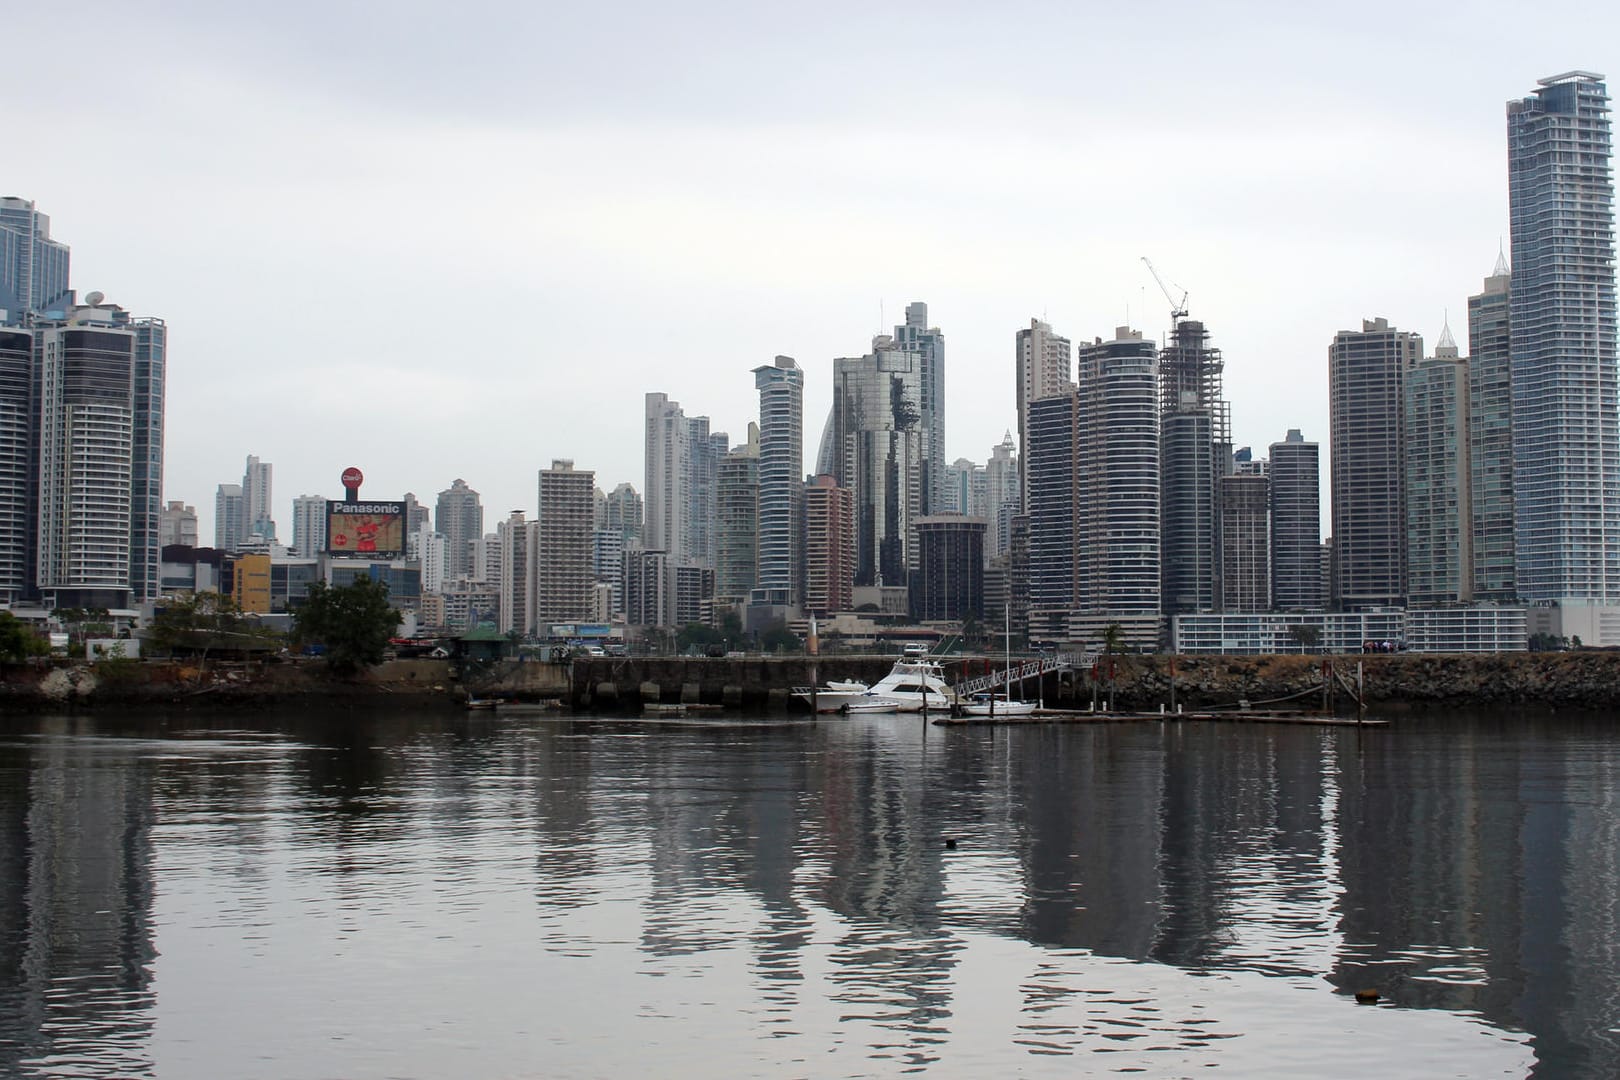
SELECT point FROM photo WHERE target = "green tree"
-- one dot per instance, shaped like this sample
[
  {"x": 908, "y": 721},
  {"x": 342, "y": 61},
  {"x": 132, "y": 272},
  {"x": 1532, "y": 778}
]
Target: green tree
[
  {"x": 778, "y": 638},
  {"x": 353, "y": 622},
  {"x": 205, "y": 622},
  {"x": 18, "y": 641},
  {"x": 1305, "y": 636},
  {"x": 698, "y": 635},
  {"x": 83, "y": 622},
  {"x": 1113, "y": 639}
]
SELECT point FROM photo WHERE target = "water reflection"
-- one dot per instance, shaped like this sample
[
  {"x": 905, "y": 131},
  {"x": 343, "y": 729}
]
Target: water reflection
[{"x": 780, "y": 897}]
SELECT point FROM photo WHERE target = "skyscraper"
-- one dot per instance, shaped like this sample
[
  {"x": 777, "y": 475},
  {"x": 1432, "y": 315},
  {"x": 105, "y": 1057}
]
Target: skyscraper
[
  {"x": 667, "y": 489},
  {"x": 458, "y": 515},
  {"x": 736, "y": 569},
  {"x": 929, "y": 345},
  {"x": 781, "y": 483},
  {"x": 1439, "y": 532},
  {"x": 1117, "y": 507},
  {"x": 1051, "y": 471},
  {"x": 16, "y": 475},
  {"x": 1296, "y": 524},
  {"x": 1367, "y": 432},
  {"x": 564, "y": 582},
  {"x": 623, "y": 512},
  {"x": 146, "y": 460},
  {"x": 1195, "y": 429},
  {"x": 1490, "y": 438},
  {"x": 829, "y": 547},
  {"x": 1003, "y": 493},
  {"x": 309, "y": 526},
  {"x": 258, "y": 501},
  {"x": 86, "y": 439},
  {"x": 228, "y": 517},
  {"x": 949, "y": 583},
  {"x": 1043, "y": 371},
  {"x": 1566, "y": 418},
  {"x": 1245, "y": 543},
  {"x": 518, "y": 539},
  {"x": 876, "y": 445},
  {"x": 33, "y": 267}
]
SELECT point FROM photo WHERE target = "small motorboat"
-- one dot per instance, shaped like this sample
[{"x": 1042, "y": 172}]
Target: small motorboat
[
  {"x": 996, "y": 705},
  {"x": 871, "y": 705}
]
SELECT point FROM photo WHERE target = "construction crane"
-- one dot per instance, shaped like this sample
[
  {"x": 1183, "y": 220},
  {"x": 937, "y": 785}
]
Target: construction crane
[{"x": 1178, "y": 309}]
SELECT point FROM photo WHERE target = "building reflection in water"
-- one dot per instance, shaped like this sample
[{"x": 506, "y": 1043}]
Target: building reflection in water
[
  {"x": 1458, "y": 865},
  {"x": 76, "y": 941}
]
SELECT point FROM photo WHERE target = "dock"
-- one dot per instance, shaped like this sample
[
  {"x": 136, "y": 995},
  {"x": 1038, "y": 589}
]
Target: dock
[{"x": 1230, "y": 716}]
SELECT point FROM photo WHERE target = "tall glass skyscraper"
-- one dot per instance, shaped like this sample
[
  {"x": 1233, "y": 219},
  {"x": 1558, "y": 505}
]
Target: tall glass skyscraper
[
  {"x": 1566, "y": 417},
  {"x": 33, "y": 267},
  {"x": 780, "y": 524}
]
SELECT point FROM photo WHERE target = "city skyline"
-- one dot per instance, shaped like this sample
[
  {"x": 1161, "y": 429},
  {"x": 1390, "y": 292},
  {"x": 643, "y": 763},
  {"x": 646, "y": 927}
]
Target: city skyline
[{"x": 735, "y": 245}]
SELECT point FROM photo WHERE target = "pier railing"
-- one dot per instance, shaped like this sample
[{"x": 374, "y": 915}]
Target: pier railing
[{"x": 1027, "y": 669}]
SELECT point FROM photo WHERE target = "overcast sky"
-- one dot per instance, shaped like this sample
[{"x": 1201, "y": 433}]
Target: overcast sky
[{"x": 441, "y": 241}]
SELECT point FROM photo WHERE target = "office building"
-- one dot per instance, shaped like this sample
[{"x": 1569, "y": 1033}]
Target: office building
[
  {"x": 1043, "y": 360},
  {"x": 458, "y": 515},
  {"x": 876, "y": 445},
  {"x": 1367, "y": 434},
  {"x": 416, "y": 515},
  {"x": 33, "y": 267},
  {"x": 309, "y": 526},
  {"x": 1295, "y": 473},
  {"x": 1245, "y": 542},
  {"x": 1566, "y": 420},
  {"x": 780, "y": 577},
  {"x": 564, "y": 583},
  {"x": 949, "y": 583},
  {"x": 1439, "y": 517},
  {"x": 829, "y": 547},
  {"x": 706, "y": 449},
  {"x": 1490, "y": 438},
  {"x": 1196, "y": 444},
  {"x": 737, "y": 522},
  {"x": 929, "y": 345}
]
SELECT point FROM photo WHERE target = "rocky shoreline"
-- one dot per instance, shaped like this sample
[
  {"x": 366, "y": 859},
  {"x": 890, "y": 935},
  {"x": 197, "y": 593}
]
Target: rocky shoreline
[{"x": 1581, "y": 679}]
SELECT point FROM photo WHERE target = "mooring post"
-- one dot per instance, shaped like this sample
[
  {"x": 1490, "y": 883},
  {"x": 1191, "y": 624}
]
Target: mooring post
[{"x": 1361, "y": 692}]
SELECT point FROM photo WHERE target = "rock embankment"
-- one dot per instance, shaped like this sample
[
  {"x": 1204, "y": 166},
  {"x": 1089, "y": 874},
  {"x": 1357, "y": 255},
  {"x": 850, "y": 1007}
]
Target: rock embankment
[{"x": 1582, "y": 679}]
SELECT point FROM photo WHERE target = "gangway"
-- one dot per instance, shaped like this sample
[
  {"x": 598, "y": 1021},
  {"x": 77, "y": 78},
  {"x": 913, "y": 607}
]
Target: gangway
[{"x": 1026, "y": 669}]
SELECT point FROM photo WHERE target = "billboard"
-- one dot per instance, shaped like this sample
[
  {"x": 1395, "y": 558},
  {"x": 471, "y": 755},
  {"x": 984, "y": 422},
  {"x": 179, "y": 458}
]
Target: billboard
[{"x": 368, "y": 529}]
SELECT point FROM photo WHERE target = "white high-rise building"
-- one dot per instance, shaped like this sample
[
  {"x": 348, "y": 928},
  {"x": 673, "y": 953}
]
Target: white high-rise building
[
  {"x": 258, "y": 516},
  {"x": 1565, "y": 388},
  {"x": 667, "y": 489},
  {"x": 228, "y": 517},
  {"x": 86, "y": 445},
  {"x": 428, "y": 549},
  {"x": 177, "y": 525},
  {"x": 309, "y": 525},
  {"x": 518, "y": 540},
  {"x": 564, "y": 584},
  {"x": 1043, "y": 372},
  {"x": 780, "y": 521}
]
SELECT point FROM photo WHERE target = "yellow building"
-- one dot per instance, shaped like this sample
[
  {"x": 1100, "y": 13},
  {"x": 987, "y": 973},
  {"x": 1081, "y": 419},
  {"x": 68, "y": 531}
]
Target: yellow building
[{"x": 250, "y": 583}]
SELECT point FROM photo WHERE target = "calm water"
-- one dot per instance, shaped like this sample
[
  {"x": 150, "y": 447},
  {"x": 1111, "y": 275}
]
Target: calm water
[{"x": 398, "y": 895}]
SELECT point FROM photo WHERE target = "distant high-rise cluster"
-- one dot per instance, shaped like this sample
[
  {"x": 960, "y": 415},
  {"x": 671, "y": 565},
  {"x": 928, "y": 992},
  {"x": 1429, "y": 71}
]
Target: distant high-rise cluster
[{"x": 1474, "y": 495}]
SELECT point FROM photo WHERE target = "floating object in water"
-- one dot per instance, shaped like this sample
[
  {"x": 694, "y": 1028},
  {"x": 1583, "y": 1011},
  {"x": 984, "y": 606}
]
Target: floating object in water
[{"x": 1367, "y": 997}]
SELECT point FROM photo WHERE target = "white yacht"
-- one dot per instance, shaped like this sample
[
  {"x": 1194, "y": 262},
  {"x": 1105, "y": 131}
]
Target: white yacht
[{"x": 913, "y": 683}]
